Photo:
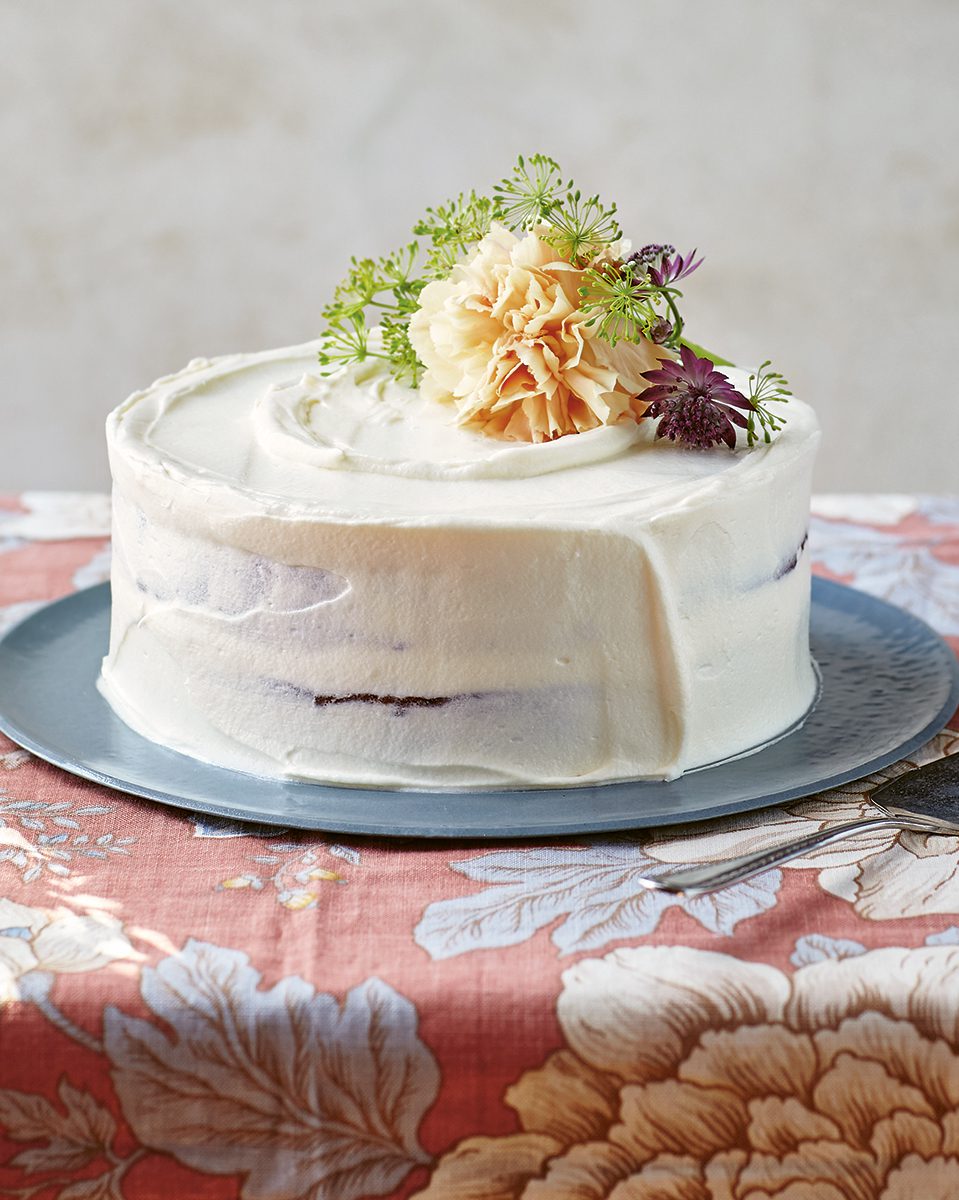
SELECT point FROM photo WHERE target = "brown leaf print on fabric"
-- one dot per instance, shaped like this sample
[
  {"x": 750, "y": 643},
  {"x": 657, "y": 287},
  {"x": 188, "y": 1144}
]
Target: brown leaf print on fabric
[
  {"x": 72, "y": 1135},
  {"x": 691, "y": 1075}
]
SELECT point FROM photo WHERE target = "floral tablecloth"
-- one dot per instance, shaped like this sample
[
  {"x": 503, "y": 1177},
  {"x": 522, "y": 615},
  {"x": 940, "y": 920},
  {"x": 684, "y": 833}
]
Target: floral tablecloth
[{"x": 194, "y": 1008}]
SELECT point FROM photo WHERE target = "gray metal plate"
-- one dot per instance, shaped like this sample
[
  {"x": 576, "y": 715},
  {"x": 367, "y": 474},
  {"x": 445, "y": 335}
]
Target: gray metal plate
[{"x": 888, "y": 684}]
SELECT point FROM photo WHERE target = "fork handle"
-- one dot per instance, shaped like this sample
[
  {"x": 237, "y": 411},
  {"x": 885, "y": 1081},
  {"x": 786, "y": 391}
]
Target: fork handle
[{"x": 694, "y": 881}]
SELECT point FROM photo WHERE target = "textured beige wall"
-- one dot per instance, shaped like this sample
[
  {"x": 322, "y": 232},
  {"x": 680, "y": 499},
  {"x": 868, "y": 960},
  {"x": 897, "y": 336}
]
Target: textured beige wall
[{"x": 185, "y": 177}]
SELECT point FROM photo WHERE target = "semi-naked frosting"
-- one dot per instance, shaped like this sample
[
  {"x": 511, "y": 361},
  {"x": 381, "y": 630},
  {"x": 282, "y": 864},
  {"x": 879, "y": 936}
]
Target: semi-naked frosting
[{"x": 327, "y": 578}]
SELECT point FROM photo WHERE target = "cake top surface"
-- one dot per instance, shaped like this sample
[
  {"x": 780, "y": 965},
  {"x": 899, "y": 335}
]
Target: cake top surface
[{"x": 269, "y": 428}]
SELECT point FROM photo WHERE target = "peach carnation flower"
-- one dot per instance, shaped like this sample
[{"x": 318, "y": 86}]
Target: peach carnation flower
[{"x": 504, "y": 339}]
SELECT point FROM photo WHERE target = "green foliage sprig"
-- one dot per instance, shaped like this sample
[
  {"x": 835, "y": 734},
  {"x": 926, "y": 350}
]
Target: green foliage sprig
[
  {"x": 528, "y": 196},
  {"x": 452, "y": 229},
  {"x": 622, "y": 304},
  {"x": 765, "y": 387},
  {"x": 385, "y": 284},
  {"x": 533, "y": 196},
  {"x": 581, "y": 228},
  {"x": 637, "y": 296},
  {"x": 536, "y": 195}
]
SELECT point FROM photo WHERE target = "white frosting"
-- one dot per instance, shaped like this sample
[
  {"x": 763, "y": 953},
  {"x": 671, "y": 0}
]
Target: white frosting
[
  {"x": 365, "y": 421},
  {"x": 330, "y": 579}
]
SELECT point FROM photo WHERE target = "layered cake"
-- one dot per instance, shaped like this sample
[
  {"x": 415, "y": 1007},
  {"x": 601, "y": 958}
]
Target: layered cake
[{"x": 545, "y": 559}]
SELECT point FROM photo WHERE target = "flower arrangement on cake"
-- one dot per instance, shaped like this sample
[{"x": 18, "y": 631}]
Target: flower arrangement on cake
[
  {"x": 530, "y": 313},
  {"x": 517, "y": 530}
]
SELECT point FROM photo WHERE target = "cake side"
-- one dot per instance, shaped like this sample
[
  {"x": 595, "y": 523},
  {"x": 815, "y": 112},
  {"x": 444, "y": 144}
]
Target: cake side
[{"x": 602, "y": 623}]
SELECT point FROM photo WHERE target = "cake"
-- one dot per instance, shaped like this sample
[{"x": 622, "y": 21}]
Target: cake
[{"x": 327, "y": 573}]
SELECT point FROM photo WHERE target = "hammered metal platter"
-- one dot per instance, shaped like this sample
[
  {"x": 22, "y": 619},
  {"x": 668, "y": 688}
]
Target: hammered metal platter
[{"x": 889, "y": 683}]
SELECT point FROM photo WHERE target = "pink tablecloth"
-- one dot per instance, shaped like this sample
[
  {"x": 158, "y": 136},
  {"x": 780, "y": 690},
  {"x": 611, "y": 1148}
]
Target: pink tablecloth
[{"x": 189, "y": 1008}]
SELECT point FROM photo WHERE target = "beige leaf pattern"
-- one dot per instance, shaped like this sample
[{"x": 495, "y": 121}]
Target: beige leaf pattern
[{"x": 302, "y": 1095}]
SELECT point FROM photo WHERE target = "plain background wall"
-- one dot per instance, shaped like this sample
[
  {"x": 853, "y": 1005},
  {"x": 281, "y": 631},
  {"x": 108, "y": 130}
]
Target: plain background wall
[{"x": 189, "y": 177}]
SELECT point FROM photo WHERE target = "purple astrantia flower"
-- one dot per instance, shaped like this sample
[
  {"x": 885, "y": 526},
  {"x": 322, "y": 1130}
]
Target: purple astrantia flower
[
  {"x": 648, "y": 256},
  {"x": 662, "y": 264},
  {"x": 674, "y": 267},
  {"x": 696, "y": 403},
  {"x": 660, "y": 331}
]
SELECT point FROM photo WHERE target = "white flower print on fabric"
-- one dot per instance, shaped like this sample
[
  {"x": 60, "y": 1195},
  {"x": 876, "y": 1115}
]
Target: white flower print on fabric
[
  {"x": 883, "y": 509},
  {"x": 56, "y": 516},
  {"x": 12, "y": 759},
  {"x": 596, "y": 890},
  {"x": 817, "y": 947},
  {"x": 205, "y": 826},
  {"x": 943, "y": 510},
  {"x": 947, "y": 937},
  {"x": 895, "y": 569},
  {"x": 337, "y": 1091},
  {"x": 884, "y": 873},
  {"x": 38, "y": 943},
  {"x": 97, "y": 570}
]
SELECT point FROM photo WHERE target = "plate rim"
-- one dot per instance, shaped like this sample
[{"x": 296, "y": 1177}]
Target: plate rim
[{"x": 443, "y": 831}]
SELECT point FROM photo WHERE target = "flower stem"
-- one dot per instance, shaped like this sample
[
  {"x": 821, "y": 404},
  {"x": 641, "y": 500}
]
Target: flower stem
[
  {"x": 65, "y": 1025},
  {"x": 677, "y": 319}
]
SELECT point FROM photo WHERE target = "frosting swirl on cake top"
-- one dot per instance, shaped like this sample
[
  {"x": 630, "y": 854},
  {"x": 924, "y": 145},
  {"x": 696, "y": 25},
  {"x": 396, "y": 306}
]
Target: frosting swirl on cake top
[{"x": 267, "y": 428}]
